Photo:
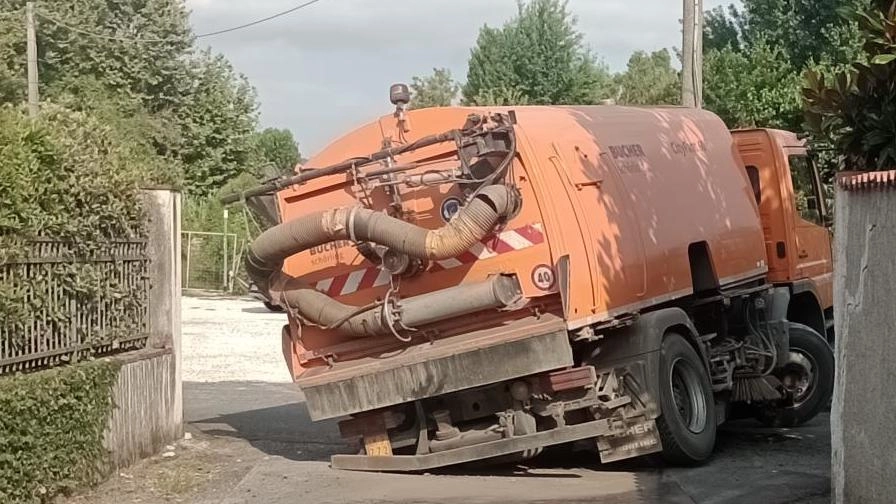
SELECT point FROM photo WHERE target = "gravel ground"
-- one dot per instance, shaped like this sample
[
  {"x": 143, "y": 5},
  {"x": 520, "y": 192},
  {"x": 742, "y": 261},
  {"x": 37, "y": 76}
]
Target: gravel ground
[{"x": 228, "y": 339}]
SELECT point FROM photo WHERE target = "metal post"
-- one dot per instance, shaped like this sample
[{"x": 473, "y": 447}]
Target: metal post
[
  {"x": 31, "y": 50},
  {"x": 189, "y": 246},
  {"x": 226, "y": 262}
]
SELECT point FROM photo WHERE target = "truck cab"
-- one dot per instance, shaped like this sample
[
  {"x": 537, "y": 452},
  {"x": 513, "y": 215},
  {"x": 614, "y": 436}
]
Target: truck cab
[{"x": 796, "y": 222}]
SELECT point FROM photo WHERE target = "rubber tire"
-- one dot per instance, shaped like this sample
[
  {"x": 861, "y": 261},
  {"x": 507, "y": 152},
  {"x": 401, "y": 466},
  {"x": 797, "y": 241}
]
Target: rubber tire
[
  {"x": 680, "y": 445},
  {"x": 272, "y": 307},
  {"x": 809, "y": 341}
]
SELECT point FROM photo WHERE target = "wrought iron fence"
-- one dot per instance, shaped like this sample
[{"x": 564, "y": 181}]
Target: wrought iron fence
[{"x": 61, "y": 306}]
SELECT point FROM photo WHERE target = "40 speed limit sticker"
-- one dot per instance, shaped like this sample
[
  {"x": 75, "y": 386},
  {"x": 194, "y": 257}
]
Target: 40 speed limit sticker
[{"x": 543, "y": 277}]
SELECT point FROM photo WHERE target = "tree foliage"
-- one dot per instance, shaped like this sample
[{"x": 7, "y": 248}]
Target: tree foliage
[
  {"x": 216, "y": 122},
  {"x": 436, "y": 90},
  {"x": 756, "y": 53},
  {"x": 274, "y": 152},
  {"x": 855, "y": 111},
  {"x": 753, "y": 87},
  {"x": 189, "y": 106},
  {"x": 67, "y": 176},
  {"x": 538, "y": 57},
  {"x": 649, "y": 79}
]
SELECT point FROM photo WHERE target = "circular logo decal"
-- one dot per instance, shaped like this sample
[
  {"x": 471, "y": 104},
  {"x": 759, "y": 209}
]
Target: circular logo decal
[
  {"x": 450, "y": 206},
  {"x": 543, "y": 277}
]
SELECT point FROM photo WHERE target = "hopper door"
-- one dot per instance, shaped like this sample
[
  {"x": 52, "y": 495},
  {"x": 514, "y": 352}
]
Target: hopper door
[{"x": 609, "y": 226}]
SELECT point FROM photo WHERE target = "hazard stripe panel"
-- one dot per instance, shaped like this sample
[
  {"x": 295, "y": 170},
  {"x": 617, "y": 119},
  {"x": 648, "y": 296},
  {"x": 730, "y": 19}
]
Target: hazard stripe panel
[{"x": 491, "y": 246}]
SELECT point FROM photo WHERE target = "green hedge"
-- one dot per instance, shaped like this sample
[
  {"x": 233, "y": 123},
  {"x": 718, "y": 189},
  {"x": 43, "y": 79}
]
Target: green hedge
[
  {"x": 51, "y": 430},
  {"x": 66, "y": 176}
]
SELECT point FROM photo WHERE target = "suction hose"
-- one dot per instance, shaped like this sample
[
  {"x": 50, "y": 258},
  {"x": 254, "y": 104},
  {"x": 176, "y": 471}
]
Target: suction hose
[
  {"x": 478, "y": 218},
  {"x": 318, "y": 308},
  {"x": 267, "y": 253}
]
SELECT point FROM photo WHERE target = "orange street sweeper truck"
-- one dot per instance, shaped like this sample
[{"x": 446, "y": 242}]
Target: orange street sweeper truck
[{"x": 479, "y": 283}]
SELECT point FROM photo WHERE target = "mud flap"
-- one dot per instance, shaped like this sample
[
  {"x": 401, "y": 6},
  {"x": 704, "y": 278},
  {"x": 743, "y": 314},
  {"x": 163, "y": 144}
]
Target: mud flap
[
  {"x": 633, "y": 430},
  {"x": 631, "y": 437}
]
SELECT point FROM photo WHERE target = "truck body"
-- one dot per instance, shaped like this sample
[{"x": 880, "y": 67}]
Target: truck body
[{"x": 479, "y": 283}]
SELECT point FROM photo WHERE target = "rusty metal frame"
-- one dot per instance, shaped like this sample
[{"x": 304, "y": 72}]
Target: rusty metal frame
[{"x": 410, "y": 463}]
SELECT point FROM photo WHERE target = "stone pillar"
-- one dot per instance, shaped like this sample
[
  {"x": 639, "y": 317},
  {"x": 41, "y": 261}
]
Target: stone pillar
[
  {"x": 163, "y": 207},
  {"x": 864, "y": 407}
]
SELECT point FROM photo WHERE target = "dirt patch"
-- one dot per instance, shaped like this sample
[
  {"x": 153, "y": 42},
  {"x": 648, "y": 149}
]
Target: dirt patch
[{"x": 202, "y": 470}]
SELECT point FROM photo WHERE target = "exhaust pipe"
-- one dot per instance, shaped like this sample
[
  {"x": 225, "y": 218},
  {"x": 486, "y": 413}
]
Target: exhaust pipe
[
  {"x": 266, "y": 254},
  {"x": 501, "y": 291}
]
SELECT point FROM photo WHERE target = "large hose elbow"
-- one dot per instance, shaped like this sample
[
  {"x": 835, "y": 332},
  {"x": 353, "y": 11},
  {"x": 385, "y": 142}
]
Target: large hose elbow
[{"x": 491, "y": 206}]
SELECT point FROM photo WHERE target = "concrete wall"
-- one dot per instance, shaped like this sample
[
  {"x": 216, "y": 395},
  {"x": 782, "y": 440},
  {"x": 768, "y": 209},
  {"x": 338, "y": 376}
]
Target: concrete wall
[
  {"x": 148, "y": 395},
  {"x": 145, "y": 418},
  {"x": 864, "y": 407},
  {"x": 164, "y": 213}
]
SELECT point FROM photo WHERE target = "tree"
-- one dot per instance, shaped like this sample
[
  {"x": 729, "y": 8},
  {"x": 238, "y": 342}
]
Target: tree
[
  {"x": 216, "y": 121},
  {"x": 854, "y": 111},
  {"x": 756, "y": 87},
  {"x": 275, "y": 152},
  {"x": 794, "y": 26},
  {"x": 153, "y": 72},
  {"x": 141, "y": 73},
  {"x": 722, "y": 28},
  {"x": 537, "y": 57},
  {"x": 128, "y": 120},
  {"x": 648, "y": 80},
  {"x": 436, "y": 90},
  {"x": 755, "y": 55}
]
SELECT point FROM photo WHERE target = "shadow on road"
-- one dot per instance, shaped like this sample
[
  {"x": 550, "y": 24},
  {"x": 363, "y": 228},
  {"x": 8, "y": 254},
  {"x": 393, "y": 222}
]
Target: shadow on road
[
  {"x": 772, "y": 465},
  {"x": 285, "y": 431},
  {"x": 270, "y": 416}
]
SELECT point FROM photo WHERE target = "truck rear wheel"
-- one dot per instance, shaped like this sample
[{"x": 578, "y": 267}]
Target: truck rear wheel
[
  {"x": 687, "y": 424},
  {"x": 807, "y": 377}
]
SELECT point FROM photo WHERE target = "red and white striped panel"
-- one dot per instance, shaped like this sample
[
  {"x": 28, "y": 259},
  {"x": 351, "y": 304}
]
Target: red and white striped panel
[
  {"x": 505, "y": 241},
  {"x": 491, "y": 246}
]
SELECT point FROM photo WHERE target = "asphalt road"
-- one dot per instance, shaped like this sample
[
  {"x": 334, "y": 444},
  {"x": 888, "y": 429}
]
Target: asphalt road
[{"x": 287, "y": 457}]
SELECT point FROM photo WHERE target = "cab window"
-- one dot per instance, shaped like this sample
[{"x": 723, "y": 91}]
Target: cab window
[{"x": 805, "y": 189}]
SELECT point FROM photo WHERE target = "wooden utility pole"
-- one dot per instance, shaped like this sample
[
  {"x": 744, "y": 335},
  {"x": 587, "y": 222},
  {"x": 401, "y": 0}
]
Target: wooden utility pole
[
  {"x": 698, "y": 55},
  {"x": 692, "y": 54},
  {"x": 33, "y": 93}
]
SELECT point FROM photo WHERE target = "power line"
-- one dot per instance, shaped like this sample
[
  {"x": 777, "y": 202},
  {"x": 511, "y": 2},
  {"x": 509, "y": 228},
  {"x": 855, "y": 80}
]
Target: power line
[
  {"x": 159, "y": 40},
  {"x": 259, "y": 21}
]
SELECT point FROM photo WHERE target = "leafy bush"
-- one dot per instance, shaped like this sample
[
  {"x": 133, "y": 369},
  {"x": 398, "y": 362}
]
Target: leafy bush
[
  {"x": 855, "y": 111},
  {"x": 51, "y": 430},
  {"x": 68, "y": 177},
  {"x": 64, "y": 176}
]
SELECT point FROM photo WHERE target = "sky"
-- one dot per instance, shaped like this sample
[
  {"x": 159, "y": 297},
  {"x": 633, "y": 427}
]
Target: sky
[{"x": 327, "y": 68}]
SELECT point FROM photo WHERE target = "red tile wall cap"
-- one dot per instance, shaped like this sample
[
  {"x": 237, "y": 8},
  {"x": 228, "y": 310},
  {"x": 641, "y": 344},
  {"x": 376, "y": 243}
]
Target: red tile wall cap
[{"x": 857, "y": 181}]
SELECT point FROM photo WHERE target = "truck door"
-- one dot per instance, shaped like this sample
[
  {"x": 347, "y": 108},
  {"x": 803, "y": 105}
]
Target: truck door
[{"x": 813, "y": 238}]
